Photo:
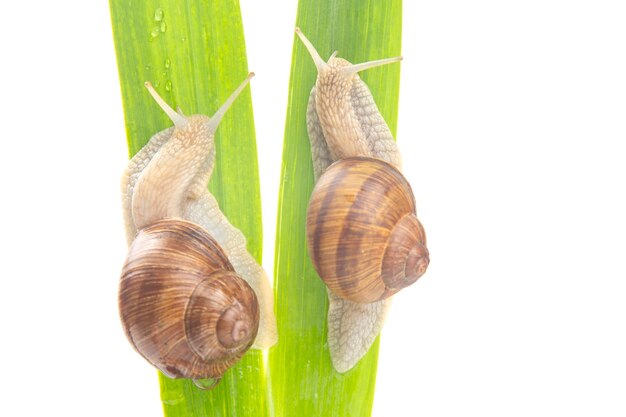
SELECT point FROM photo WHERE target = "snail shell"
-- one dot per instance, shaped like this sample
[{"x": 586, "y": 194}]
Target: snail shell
[
  {"x": 363, "y": 236},
  {"x": 182, "y": 305}
]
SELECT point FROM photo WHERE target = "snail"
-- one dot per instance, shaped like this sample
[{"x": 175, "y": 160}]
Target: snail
[
  {"x": 363, "y": 235},
  {"x": 192, "y": 299}
]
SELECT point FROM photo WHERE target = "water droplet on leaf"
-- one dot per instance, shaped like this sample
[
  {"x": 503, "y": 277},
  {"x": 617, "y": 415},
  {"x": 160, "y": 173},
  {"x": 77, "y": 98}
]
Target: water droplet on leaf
[
  {"x": 158, "y": 14},
  {"x": 206, "y": 383}
]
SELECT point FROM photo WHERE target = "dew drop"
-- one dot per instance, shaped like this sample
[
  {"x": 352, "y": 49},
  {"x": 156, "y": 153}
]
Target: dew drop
[
  {"x": 168, "y": 85},
  {"x": 206, "y": 383},
  {"x": 163, "y": 27},
  {"x": 168, "y": 63},
  {"x": 155, "y": 32},
  {"x": 158, "y": 14},
  {"x": 157, "y": 84},
  {"x": 147, "y": 67}
]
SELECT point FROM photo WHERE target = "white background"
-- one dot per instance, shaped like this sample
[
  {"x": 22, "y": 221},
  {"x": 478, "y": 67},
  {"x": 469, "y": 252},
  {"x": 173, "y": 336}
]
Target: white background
[{"x": 512, "y": 124}]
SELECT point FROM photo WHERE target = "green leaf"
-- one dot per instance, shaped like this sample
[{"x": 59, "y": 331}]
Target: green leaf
[
  {"x": 194, "y": 54},
  {"x": 303, "y": 380}
]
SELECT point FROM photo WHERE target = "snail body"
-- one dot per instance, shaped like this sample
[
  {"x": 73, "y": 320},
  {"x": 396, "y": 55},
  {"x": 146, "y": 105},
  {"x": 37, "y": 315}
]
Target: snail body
[
  {"x": 363, "y": 236},
  {"x": 192, "y": 299}
]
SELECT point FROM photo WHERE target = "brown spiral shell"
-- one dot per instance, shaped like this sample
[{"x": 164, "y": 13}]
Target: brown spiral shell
[
  {"x": 182, "y": 305},
  {"x": 363, "y": 236}
]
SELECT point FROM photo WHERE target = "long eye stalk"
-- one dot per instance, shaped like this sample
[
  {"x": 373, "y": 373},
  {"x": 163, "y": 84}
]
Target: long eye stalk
[
  {"x": 353, "y": 69},
  {"x": 178, "y": 119},
  {"x": 317, "y": 59},
  {"x": 217, "y": 117}
]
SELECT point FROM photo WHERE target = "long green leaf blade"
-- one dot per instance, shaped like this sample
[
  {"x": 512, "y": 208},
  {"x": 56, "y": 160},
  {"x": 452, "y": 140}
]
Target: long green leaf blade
[
  {"x": 194, "y": 54},
  {"x": 303, "y": 380}
]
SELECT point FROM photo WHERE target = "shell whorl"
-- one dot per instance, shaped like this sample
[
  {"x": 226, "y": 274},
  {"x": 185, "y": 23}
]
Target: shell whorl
[
  {"x": 182, "y": 305},
  {"x": 220, "y": 317},
  {"x": 363, "y": 237},
  {"x": 406, "y": 256}
]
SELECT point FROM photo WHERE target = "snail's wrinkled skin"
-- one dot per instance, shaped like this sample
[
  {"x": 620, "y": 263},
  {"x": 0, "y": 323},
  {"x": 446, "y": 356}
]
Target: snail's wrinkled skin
[{"x": 344, "y": 121}]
